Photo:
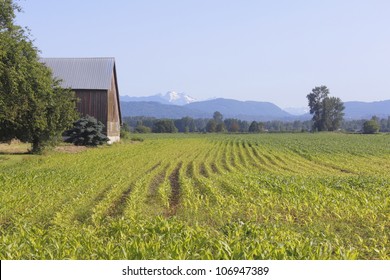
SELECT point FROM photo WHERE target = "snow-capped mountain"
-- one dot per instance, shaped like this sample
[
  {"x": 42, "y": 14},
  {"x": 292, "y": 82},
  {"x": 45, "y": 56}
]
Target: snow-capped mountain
[
  {"x": 171, "y": 97},
  {"x": 178, "y": 98}
]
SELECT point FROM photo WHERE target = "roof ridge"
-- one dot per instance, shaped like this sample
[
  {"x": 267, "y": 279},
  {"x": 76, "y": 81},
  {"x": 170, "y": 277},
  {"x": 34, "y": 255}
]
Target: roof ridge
[{"x": 94, "y": 57}]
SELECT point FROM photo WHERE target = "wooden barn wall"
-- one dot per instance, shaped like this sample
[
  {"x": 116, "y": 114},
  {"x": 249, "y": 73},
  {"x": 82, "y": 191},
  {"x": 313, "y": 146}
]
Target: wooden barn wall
[
  {"x": 93, "y": 103},
  {"x": 113, "y": 122}
]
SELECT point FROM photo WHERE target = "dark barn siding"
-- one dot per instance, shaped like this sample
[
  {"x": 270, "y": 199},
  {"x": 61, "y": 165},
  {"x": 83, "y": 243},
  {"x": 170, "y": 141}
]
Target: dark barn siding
[{"x": 93, "y": 103}]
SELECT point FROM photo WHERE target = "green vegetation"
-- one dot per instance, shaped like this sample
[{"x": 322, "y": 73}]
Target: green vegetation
[
  {"x": 327, "y": 111},
  {"x": 186, "y": 196},
  {"x": 164, "y": 126},
  {"x": 13, "y": 154},
  {"x": 125, "y": 132},
  {"x": 256, "y": 127},
  {"x": 187, "y": 124},
  {"x": 33, "y": 107},
  {"x": 87, "y": 131},
  {"x": 371, "y": 126}
]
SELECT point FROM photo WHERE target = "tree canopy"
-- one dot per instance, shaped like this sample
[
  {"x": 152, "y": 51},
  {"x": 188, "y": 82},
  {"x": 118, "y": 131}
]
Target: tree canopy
[
  {"x": 218, "y": 117},
  {"x": 372, "y": 126},
  {"x": 256, "y": 127},
  {"x": 164, "y": 126},
  {"x": 33, "y": 106},
  {"x": 327, "y": 111}
]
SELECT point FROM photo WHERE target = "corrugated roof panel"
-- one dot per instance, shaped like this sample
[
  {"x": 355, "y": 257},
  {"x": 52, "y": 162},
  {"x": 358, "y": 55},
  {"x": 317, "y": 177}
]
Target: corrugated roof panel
[{"x": 82, "y": 73}]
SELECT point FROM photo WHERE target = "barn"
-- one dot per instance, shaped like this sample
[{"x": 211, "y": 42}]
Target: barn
[{"x": 95, "y": 83}]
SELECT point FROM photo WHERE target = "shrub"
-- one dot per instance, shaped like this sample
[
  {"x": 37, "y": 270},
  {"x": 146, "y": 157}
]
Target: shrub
[
  {"x": 370, "y": 127},
  {"x": 87, "y": 131},
  {"x": 125, "y": 132}
]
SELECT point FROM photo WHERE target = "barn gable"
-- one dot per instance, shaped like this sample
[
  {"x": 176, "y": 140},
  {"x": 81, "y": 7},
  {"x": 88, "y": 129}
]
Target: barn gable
[{"x": 95, "y": 83}]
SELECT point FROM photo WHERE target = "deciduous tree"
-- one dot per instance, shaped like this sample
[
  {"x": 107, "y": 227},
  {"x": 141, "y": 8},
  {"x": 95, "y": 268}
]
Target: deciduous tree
[
  {"x": 218, "y": 117},
  {"x": 164, "y": 126},
  {"x": 327, "y": 111},
  {"x": 33, "y": 106},
  {"x": 211, "y": 126},
  {"x": 371, "y": 126},
  {"x": 254, "y": 127}
]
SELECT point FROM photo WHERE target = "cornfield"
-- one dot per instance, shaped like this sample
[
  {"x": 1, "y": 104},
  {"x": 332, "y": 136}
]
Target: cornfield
[{"x": 268, "y": 196}]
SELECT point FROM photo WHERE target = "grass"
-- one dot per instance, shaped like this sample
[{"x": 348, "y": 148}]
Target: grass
[
  {"x": 14, "y": 153},
  {"x": 189, "y": 196}
]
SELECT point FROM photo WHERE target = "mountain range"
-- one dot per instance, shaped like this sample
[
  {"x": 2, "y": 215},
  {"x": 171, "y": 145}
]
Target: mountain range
[
  {"x": 171, "y": 98},
  {"x": 177, "y": 105},
  {"x": 365, "y": 110}
]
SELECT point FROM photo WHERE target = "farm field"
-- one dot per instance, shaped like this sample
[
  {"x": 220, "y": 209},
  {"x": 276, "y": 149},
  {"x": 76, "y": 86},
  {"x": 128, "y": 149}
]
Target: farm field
[{"x": 190, "y": 196}]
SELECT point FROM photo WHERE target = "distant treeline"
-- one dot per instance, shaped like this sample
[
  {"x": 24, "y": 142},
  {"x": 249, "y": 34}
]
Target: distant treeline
[
  {"x": 218, "y": 124},
  {"x": 357, "y": 125}
]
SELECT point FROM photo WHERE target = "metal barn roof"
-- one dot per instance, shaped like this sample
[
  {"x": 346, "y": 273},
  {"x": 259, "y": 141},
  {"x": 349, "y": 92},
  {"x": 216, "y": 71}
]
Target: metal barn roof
[{"x": 82, "y": 73}]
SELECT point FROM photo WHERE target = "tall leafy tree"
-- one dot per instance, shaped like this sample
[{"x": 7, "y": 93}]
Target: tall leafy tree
[
  {"x": 218, "y": 117},
  {"x": 220, "y": 127},
  {"x": 33, "y": 106},
  {"x": 371, "y": 126},
  {"x": 185, "y": 124},
  {"x": 254, "y": 127},
  {"x": 211, "y": 126},
  {"x": 332, "y": 113},
  {"x": 327, "y": 111},
  {"x": 232, "y": 125},
  {"x": 388, "y": 123}
]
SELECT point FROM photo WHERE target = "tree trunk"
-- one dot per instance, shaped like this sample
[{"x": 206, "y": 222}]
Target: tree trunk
[{"x": 37, "y": 146}]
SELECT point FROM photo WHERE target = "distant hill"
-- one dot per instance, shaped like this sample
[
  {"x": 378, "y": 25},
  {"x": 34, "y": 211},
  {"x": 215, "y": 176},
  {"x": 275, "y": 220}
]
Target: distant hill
[
  {"x": 365, "y": 110},
  {"x": 159, "y": 106},
  {"x": 244, "y": 110},
  {"x": 158, "y": 110}
]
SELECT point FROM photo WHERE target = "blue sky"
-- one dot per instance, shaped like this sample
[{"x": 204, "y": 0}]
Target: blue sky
[{"x": 274, "y": 51}]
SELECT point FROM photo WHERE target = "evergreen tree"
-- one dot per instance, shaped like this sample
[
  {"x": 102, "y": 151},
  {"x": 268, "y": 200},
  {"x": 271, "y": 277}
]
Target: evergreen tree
[{"x": 87, "y": 131}]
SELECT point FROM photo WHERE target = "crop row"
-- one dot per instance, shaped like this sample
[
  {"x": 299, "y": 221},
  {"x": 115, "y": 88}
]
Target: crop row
[{"x": 202, "y": 197}]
